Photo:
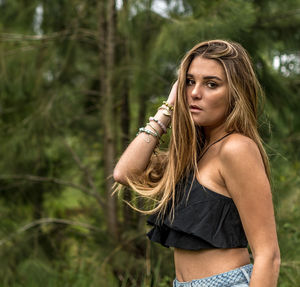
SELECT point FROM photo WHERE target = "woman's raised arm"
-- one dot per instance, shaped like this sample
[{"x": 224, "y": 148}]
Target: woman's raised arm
[{"x": 136, "y": 157}]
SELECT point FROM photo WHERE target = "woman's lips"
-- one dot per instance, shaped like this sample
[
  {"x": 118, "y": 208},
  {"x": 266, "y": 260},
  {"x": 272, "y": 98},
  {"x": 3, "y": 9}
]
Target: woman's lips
[{"x": 194, "y": 108}]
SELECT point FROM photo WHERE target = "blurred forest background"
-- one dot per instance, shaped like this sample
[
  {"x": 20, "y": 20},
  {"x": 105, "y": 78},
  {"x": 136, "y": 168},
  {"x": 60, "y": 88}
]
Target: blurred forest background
[{"x": 78, "y": 78}]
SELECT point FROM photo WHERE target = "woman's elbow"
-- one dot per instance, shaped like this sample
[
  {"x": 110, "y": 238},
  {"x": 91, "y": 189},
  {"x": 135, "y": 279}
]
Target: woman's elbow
[
  {"x": 118, "y": 175},
  {"x": 276, "y": 262},
  {"x": 276, "y": 255},
  {"x": 277, "y": 259},
  {"x": 269, "y": 255}
]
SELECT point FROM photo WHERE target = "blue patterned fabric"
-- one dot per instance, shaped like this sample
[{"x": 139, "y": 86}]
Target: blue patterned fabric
[{"x": 239, "y": 277}]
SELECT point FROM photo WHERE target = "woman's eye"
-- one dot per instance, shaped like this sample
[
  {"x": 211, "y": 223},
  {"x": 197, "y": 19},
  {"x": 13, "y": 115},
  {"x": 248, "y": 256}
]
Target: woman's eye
[
  {"x": 212, "y": 85},
  {"x": 189, "y": 82}
]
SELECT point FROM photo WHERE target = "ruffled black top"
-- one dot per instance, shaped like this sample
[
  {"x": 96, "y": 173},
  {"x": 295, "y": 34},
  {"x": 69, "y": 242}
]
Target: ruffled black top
[{"x": 202, "y": 219}]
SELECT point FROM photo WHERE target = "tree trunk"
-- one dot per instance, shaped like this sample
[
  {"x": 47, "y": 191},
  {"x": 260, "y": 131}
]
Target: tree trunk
[
  {"x": 125, "y": 116},
  {"x": 107, "y": 59}
]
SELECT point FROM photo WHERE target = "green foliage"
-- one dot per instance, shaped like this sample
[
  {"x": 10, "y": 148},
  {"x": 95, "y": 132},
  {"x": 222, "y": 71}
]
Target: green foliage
[{"x": 51, "y": 129}]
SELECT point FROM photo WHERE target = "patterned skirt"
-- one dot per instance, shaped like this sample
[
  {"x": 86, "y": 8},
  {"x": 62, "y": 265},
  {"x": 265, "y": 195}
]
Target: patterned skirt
[{"x": 239, "y": 277}]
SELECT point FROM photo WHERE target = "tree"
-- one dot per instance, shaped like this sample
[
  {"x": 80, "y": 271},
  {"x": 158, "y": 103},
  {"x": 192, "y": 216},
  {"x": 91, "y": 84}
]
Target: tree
[{"x": 74, "y": 90}]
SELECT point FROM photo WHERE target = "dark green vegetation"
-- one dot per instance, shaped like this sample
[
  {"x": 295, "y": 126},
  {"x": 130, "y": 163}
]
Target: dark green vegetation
[{"x": 78, "y": 78}]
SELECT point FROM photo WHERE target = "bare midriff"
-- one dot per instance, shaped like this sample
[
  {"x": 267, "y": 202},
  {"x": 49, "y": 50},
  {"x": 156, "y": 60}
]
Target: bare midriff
[{"x": 190, "y": 265}]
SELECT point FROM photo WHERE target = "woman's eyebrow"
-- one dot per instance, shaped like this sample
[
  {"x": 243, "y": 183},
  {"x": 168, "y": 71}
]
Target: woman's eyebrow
[
  {"x": 206, "y": 77},
  {"x": 212, "y": 78}
]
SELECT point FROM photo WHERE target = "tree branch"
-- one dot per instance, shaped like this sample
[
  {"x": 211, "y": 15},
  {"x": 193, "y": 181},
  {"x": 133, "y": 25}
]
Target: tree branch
[
  {"x": 48, "y": 221},
  {"x": 22, "y": 37},
  {"x": 35, "y": 178},
  {"x": 14, "y": 37},
  {"x": 81, "y": 166},
  {"x": 118, "y": 248}
]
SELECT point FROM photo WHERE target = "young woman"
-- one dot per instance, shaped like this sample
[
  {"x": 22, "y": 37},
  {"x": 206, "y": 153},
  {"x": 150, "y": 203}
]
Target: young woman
[{"x": 211, "y": 188}]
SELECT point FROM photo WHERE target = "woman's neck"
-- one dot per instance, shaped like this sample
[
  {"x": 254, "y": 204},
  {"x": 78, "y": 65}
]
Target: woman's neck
[{"x": 213, "y": 134}]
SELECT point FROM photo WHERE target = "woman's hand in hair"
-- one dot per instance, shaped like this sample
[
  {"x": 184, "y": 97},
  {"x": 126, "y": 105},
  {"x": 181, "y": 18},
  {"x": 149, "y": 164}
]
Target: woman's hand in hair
[{"x": 172, "y": 95}]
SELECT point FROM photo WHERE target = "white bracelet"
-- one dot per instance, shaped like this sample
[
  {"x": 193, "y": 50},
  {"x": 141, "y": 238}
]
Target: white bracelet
[
  {"x": 163, "y": 127},
  {"x": 149, "y": 132}
]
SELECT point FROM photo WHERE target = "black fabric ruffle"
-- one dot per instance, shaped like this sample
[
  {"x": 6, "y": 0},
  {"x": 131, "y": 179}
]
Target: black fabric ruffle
[{"x": 203, "y": 219}]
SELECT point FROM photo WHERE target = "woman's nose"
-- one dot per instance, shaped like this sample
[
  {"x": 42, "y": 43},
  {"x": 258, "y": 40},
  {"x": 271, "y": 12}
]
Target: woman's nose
[{"x": 196, "y": 92}]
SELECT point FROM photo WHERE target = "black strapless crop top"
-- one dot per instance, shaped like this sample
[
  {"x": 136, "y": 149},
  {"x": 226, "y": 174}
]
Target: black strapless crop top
[{"x": 202, "y": 219}]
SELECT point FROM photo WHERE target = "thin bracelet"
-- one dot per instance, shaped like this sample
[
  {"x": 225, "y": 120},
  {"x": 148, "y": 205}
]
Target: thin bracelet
[
  {"x": 163, "y": 106},
  {"x": 153, "y": 128},
  {"x": 149, "y": 132},
  {"x": 163, "y": 127},
  {"x": 169, "y": 106},
  {"x": 166, "y": 111},
  {"x": 159, "y": 137}
]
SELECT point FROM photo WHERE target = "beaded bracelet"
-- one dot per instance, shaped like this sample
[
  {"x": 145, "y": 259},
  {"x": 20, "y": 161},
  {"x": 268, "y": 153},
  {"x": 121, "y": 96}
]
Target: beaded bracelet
[
  {"x": 149, "y": 132},
  {"x": 159, "y": 138},
  {"x": 163, "y": 127}
]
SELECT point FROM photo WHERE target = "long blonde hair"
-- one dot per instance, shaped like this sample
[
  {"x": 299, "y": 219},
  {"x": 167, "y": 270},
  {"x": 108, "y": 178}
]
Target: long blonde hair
[{"x": 167, "y": 168}]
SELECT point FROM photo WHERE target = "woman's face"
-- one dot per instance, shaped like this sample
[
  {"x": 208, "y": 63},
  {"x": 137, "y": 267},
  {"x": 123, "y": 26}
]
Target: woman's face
[{"x": 207, "y": 92}]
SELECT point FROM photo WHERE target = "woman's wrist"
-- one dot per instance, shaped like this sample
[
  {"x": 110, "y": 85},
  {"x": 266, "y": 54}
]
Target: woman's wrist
[
  {"x": 157, "y": 125},
  {"x": 167, "y": 109},
  {"x": 163, "y": 118}
]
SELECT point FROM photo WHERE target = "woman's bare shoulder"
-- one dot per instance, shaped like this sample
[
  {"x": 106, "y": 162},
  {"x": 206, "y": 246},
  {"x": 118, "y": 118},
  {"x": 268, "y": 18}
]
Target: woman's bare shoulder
[{"x": 239, "y": 147}]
